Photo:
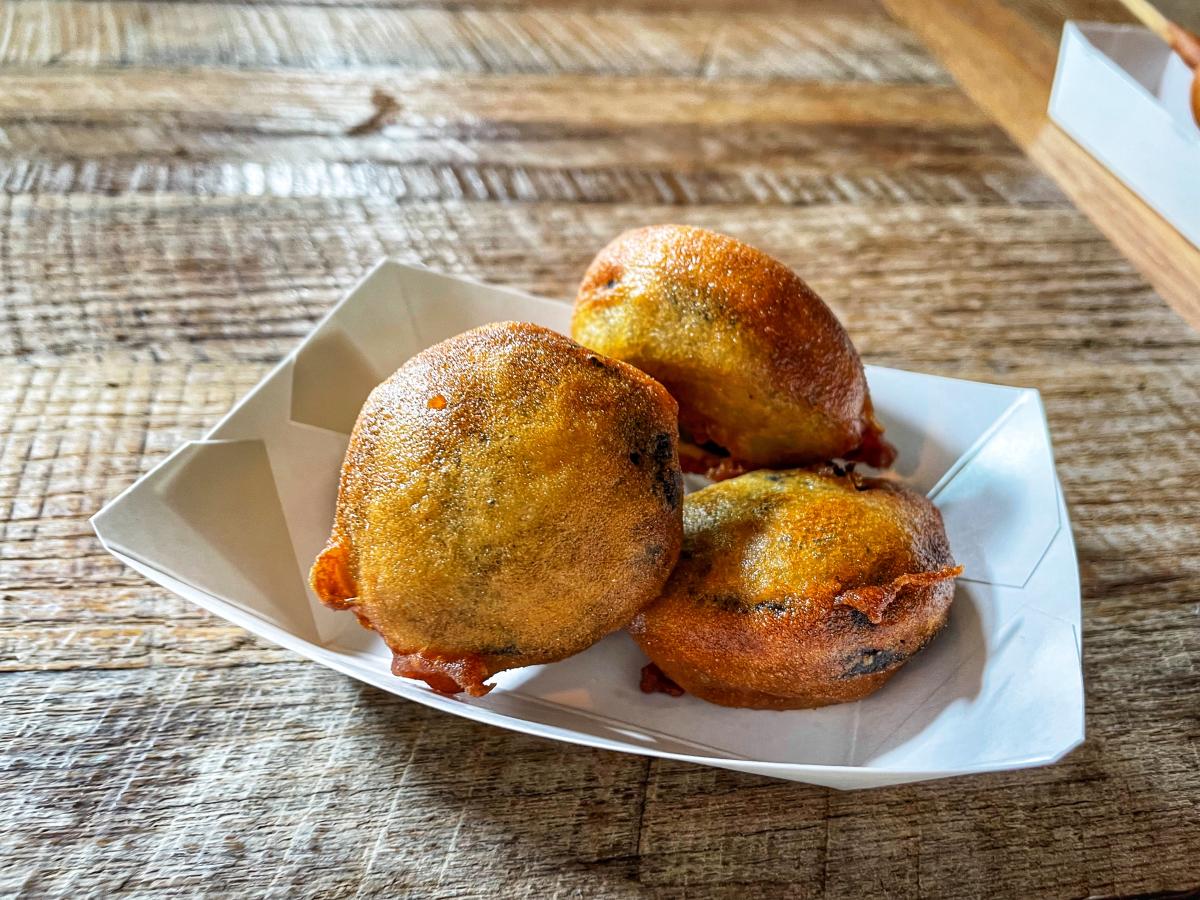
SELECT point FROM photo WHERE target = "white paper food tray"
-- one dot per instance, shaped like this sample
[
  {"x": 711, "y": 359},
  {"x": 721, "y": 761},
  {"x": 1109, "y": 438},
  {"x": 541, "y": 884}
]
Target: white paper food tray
[
  {"x": 1125, "y": 97},
  {"x": 232, "y": 523}
]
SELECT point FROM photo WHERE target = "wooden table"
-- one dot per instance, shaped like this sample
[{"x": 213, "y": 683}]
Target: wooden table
[{"x": 186, "y": 187}]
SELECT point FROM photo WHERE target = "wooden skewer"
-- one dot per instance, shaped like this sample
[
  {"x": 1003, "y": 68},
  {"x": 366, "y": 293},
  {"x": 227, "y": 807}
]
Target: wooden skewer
[
  {"x": 1180, "y": 39},
  {"x": 1187, "y": 45},
  {"x": 1148, "y": 15}
]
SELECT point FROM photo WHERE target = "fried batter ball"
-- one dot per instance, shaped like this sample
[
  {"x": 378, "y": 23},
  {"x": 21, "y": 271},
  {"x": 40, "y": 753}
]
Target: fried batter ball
[
  {"x": 508, "y": 498},
  {"x": 797, "y": 589},
  {"x": 765, "y": 375}
]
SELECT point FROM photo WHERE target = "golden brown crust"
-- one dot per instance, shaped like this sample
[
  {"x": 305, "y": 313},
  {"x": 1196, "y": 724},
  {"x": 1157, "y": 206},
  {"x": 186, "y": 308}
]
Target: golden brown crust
[
  {"x": 799, "y": 588},
  {"x": 487, "y": 485},
  {"x": 759, "y": 364}
]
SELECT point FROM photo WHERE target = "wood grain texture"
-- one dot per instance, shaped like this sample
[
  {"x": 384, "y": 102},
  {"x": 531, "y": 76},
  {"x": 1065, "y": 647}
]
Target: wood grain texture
[
  {"x": 178, "y": 204},
  {"x": 324, "y": 104},
  {"x": 249, "y": 275},
  {"x": 825, "y": 43},
  {"x": 519, "y": 139}
]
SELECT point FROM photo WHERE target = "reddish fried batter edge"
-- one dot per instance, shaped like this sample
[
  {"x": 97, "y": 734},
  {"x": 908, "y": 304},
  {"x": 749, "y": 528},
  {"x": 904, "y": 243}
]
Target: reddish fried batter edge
[
  {"x": 873, "y": 600},
  {"x": 446, "y": 675}
]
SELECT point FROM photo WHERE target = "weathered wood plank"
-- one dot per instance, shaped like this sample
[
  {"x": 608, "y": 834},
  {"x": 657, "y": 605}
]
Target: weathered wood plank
[
  {"x": 827, "y": 44},
  {"x": 811, "y": 7},
  {"x": 421, "y": 809},
  {"x": 811, "y": 147},
  {"x": 337, "y": 103},
  {"x": 238, "y": 278},
  {"x": 787, "y": 185},
  {"x": 513, "y": 139}
]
